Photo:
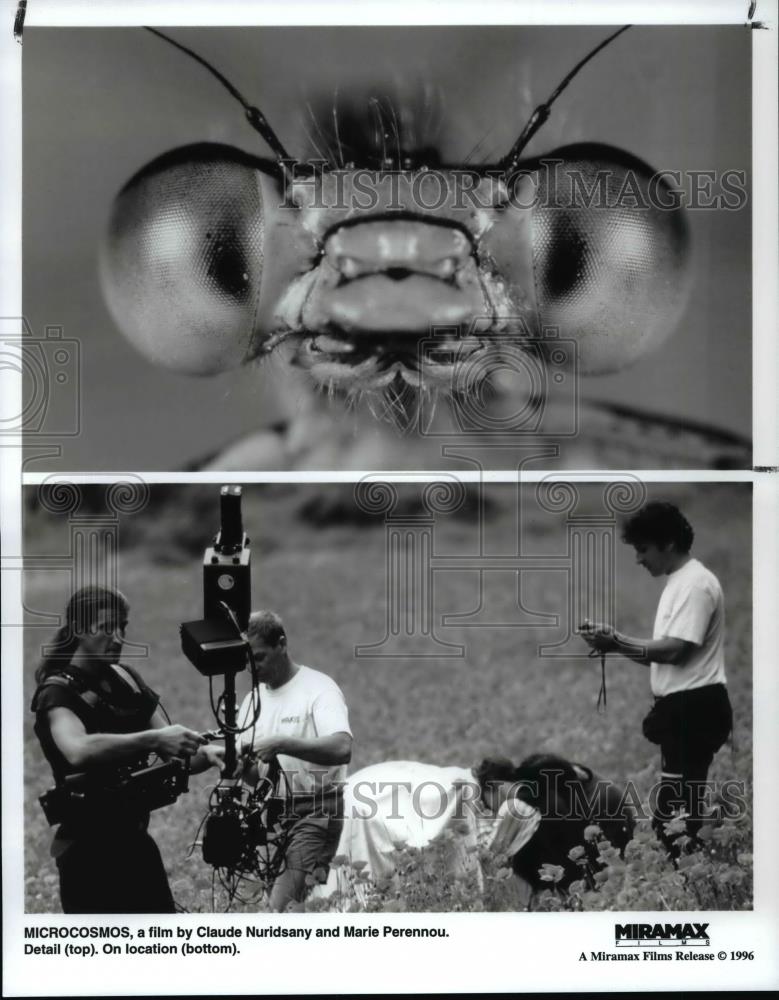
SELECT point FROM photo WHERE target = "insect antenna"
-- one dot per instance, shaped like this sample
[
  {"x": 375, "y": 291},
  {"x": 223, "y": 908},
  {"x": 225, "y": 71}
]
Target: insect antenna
[
  {"x": 509, "y": 162},
  {"x": 254, "y": 116}
]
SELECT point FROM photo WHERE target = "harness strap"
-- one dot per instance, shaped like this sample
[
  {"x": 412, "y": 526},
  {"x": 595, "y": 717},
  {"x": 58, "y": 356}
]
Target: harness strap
[
  {"x": 66, "y": 679},
  {"x": 89, "y": 693},
  {"x": 127, "y": 676}
]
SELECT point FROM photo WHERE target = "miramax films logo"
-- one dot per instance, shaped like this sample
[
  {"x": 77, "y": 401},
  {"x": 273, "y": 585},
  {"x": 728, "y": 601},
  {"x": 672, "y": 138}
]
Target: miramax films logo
[{"x": 656, "y": 935}]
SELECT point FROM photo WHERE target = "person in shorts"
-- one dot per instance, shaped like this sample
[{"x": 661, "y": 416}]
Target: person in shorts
[
  {"x": 303, "y": 724},
  {"x": 691, "y": 717}
]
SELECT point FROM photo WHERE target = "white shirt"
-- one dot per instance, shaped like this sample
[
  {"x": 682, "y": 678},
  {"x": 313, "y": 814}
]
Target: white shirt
[
  {"x": 691, "y": 608},
  {"x": 309, "y": 705}
]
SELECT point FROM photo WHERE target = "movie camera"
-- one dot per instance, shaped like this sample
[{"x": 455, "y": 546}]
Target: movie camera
[{"x": 241, "y": 834}]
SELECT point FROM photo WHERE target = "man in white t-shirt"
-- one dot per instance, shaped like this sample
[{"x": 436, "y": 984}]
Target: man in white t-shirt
[
  {"x": 691, "y": 717},
  {"x": 303, "y": 724}
]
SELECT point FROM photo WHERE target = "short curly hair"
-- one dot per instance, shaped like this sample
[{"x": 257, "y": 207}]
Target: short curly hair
[
  {"x": 660, "y": 524},
  {"x": 492, "y": 771},
  {"x": 266, "y": 626}
]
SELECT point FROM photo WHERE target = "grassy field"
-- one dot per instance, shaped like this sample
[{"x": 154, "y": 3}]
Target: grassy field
[{"x": 323, "y": 568}]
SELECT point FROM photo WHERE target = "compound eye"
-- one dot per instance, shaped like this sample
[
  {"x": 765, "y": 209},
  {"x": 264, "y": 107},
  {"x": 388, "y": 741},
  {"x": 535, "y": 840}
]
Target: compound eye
[
  {"x": 610, "y": 255},
  {"x": 182, "y": 266}
]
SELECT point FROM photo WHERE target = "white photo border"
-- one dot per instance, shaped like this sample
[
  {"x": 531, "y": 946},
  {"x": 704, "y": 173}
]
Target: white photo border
[{"x": 484, "y": 952}]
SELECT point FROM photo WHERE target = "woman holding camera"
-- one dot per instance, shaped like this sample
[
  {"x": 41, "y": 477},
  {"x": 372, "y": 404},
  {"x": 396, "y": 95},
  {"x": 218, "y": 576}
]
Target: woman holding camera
[{"x": 93, "y": 716}]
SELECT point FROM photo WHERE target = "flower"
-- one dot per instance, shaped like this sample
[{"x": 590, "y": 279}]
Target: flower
[{"x": 551, "y": 873}]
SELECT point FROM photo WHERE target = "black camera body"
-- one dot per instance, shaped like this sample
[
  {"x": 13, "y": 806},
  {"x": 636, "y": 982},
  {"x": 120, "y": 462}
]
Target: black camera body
[
  {"x": 130, "y": 791},
  {"x": 223, "y": 839},
  {"x": 215, "y": 644},
  {"x": 242, "y": 830},
  {"x": 227, "y": 580}
]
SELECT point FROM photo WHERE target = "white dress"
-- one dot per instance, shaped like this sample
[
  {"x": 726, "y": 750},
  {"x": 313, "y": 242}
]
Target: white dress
[{"x": 407, "y": 804}]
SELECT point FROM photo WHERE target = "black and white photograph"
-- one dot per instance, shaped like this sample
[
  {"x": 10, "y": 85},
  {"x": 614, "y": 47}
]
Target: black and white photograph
[
  {"x": 436, "y": 698},
  {"x": 338, "y": 248},
  {"x": 389, "y": 505}
]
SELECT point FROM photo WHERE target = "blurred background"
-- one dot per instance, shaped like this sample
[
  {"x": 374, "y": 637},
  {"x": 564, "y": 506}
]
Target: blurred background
[
  {"x": 101, "y": 103},
  {"x": 319, "y": 559}
]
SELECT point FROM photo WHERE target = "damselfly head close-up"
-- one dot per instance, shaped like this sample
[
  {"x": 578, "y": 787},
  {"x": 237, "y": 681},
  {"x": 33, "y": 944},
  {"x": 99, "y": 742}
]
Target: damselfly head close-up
[
  {"x": 395, "y": 244},
  {"x": 364, "y": 254}
]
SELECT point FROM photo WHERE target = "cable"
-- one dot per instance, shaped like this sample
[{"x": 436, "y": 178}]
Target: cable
[
  {"x": 164, "y": 711},
  {"x": 254, "y": 702},
  {"x": 602, "y": 692}
]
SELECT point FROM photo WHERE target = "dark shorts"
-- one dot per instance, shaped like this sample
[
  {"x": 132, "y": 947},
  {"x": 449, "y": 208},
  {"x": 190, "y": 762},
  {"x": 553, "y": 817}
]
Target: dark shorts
[{"x": 690, "y": 727}]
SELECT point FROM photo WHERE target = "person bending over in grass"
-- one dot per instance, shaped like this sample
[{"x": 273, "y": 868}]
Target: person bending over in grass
[
  {"x": 569, "y": 798},
  {"x": 531, "y": 813},
  {"x": 691, "y": 717},
  {"x": 94, "y": 715}
]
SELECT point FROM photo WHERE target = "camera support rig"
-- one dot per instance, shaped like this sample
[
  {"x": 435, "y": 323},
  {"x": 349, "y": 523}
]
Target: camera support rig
[
  {"x": 240, "y": 835},
  {"x": 217, "y": 643}
]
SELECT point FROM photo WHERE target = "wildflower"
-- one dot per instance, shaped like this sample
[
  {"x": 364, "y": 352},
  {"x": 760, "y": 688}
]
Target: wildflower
[{"x": 551, "y": 873}]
